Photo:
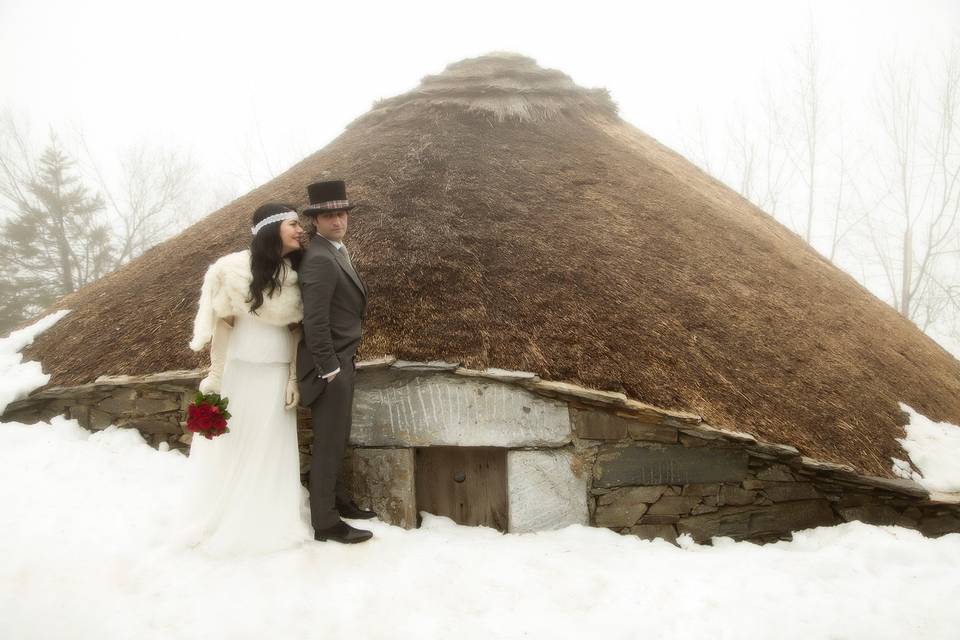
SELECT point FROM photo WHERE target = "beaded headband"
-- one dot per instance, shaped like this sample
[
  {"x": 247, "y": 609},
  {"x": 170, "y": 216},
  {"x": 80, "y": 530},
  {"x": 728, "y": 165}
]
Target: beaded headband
[{"x": 283, "y": 215}]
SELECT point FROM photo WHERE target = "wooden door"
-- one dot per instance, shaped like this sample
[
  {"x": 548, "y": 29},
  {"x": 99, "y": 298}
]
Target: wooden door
[{"x": 465, "y": 484}]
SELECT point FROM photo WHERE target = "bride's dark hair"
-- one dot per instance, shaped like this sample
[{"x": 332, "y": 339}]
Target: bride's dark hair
[{"x": 265, "y": 259}]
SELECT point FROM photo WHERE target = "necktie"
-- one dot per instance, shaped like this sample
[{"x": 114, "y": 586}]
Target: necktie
[{"x": 343, "y": 250}]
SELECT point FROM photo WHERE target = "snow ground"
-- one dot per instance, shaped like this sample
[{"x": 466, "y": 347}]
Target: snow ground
[{"x": 84, "y": 554}]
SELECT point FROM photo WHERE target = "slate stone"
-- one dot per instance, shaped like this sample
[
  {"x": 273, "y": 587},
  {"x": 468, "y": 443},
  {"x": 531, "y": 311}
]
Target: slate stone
[
  {"x": 678, "y": 505},
  {"x": 651, "y": 432},
  {"x": 880, "y": 514},
  {"x": 632, "y": 495},
  {"x": 746, "y": 522},
  {"x": 621, "y": 514},
  {"x": 736, "y": 496},
  {"x": 668, "y": 464},
  {"x": 776, "y": 472},
  {"x": 653, "y": 531},
  {"x": 598, "y": 425},
  {"x": 783, "y": 491}
]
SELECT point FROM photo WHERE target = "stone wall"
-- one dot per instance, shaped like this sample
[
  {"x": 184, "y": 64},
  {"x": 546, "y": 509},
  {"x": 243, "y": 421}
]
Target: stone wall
[
  {"x": 662, "y": 478},
  {"x": 574, "y": 455},
  {"x": 155, "y": 405}
]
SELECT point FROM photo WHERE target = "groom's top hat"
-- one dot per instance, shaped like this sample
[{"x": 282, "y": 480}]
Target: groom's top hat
[{"x": 330, "y": 195}]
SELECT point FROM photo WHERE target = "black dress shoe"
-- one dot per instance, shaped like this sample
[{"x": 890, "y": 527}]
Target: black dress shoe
[
  {"x": 342, "y": 532},
  {"x": 351, "y": 510}
]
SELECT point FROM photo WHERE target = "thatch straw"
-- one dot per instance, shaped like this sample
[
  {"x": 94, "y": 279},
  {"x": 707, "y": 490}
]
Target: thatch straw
[{"x": 510, "y": 219}]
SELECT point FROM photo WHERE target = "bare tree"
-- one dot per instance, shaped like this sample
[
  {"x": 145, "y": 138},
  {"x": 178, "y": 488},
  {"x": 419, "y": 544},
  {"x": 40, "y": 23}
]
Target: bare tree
[
  {"x": 922, "y": 169},
  {"x": 153, "y": 198},
  {"x": 810, "y": 120}
]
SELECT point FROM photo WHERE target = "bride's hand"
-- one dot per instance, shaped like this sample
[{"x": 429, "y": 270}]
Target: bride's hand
[{"x": 291, "y": 395}]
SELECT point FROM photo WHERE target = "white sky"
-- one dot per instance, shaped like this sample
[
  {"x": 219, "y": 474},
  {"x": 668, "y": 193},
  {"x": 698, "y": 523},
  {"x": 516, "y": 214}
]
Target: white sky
[
  {"x": 250, "y": 88},
  {"x": 217, "y": 77}
]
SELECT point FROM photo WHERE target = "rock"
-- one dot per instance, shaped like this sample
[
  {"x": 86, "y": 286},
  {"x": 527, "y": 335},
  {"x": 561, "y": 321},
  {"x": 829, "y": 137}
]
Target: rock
[
  {"x": 432, "y": 365},
  {"x": 701, "y": 489},
  {"x": 667, "y": 464},
  {"x": 776, "y": 472},
  {"x": 545, "y": 491},
  {"x": 383, "y": 480},
  {"x": 632, "y": 495},
  {"x": 598, "y": 425},
  {"x": 880, "y": 514},
  {"x": 654, "y": 531},
  {"x": 735, "y": 496},
  {"x": 186, "y": 377},
  {"x": 659, "y": 519},
  {"x": 790, "y": 491},
  {"x": 678, "y": 505},
  {"x": 120, "y": 402},
  {"x": 375, "y": 363},
  {"x": 777, "y": 450},
  {"x": 503, "y": 375},
  {"x": 703, "y": 508},
  {"x": 742, "y": 522},
  {"x": 566, "y": 389},
  {"x": 399, "y": 408},
  {"x": 822, "y": 465},
  {"x": 618, "y": 514},
  {"x": 939, "y": 525},
  {"x": 896, "y": 485},
  {"x": 651, "y": 432}
]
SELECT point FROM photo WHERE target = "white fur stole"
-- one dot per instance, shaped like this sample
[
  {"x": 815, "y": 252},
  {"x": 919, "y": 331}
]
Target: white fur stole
[{"x": 226, "y": 288}]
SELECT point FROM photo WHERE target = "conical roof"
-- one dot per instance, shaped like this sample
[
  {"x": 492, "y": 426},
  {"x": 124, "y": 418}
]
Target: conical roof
[{"x": 511, "y": 219}]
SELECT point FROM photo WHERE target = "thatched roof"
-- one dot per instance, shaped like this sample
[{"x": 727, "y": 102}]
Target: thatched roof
[{"x": 510, "y": 219}]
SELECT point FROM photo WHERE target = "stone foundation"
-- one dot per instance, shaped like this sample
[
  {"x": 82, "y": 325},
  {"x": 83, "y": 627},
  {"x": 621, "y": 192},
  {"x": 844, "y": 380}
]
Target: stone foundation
[{"x": 574, "y": 455}]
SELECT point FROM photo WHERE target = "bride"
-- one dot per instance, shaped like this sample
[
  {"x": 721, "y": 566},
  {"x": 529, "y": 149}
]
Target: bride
[{"x": 243, "y": 488}]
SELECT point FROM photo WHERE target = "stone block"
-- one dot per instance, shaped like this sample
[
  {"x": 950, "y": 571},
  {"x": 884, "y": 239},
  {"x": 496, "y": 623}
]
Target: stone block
[
  {"x": 383, "y": 480},
  {"x": 784, "y": 491},
  {"x": 544, "y": 490},
  {"x": 744, "y": 522},
  {"x": 703, "y": 508},
  {"x": 871, "y": 514},
  {"x": 936, "y": 526},
  {"x": 120, "y": 401},
  {"x": 663, "y": 518},
  {"x": 677, "y": 505},
  {"x": 735, "y": 496},
  {"x": 598, "y": 425},
  {"x": 99, "y": 419},
  {"x": 651, "y": 432},
  {"x": 701, "y": 489},
  {"x": 632, "y": 495},
  {"x": 653, "y": 531},
  {"x": 621, "y": 514},
  {"x": 777, "y": 473},
  {"x": 394, "y": 407},
  {"x": 667, "y": 464}
]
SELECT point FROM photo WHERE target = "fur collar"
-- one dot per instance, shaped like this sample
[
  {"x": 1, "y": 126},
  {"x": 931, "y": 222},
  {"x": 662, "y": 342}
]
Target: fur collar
[{"x": 226, "y": 288}]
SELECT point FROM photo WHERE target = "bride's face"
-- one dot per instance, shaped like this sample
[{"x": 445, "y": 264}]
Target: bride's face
[{"x": 290, "y": 234}]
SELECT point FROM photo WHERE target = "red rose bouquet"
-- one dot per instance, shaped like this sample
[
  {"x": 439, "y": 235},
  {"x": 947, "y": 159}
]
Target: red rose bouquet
[{"x": 208, "y": 415}]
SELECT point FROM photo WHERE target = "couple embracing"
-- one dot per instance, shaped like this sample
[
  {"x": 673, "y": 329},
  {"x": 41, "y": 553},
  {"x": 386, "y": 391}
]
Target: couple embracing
[{"x": 283, "y": 320}]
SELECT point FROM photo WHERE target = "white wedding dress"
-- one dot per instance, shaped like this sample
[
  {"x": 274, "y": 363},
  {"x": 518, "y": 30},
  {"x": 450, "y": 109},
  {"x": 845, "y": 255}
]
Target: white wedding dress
[{"x": 243, "y": 491}]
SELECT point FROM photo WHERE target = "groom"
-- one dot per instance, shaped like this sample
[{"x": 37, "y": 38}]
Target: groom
[{"x": 334, "y": 303}]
